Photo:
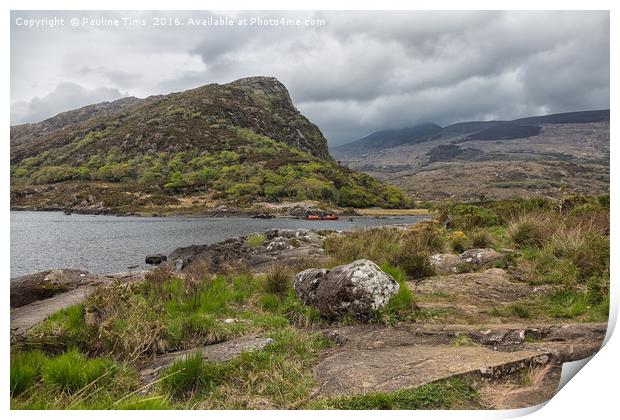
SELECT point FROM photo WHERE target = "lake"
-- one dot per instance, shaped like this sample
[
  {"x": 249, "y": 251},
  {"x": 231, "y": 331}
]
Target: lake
[{"x": 111, "y": 244}]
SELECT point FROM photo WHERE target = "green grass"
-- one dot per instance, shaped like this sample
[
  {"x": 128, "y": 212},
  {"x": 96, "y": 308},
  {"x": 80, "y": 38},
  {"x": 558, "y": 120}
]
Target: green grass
[
  {"x": 449, "y": 394},
  {"x": 379, "y": 245},
  {"x": 255, "y": 240},
  {"x": 565, "y": 303},
  {"x": 462, "y": 340},
  {"x": 156, "y": 402},
  {"x": 25, "y": 367},
  {"x": 88, "y": 349},
  {"x": 187, "y": 376},
  {"x": 69, "y": 380},
  {"x": 71, "y": 371},
  {"x": 401, "y": 306}
]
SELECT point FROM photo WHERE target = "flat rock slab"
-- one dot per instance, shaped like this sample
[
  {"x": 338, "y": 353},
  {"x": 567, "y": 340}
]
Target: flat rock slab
[
  {"x": 471, "y": 297},
  {"x": 389, "y": 369},
  {"x": 217, "y": 353},
  {"x": 566, "y": 342},
  {"x": 46, "y": 284},
  {"x": 487, "y": 288},
  {"x": 27, "y": 316}
]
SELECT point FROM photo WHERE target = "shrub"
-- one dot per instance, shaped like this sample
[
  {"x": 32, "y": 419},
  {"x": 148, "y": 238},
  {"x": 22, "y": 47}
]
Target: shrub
[
  {"x": 414, "y": 260},
  {"x": 530, "y": 230},
  {"x": 592, "y": 257},
  {"x": 459, "y": 242},
  {"x": 481, "y": 239},
  {"x": 197, "y": 271},
  {"x": 467, "y": 216},
  {"x": 278, "y": 280},
  {"x": 255, "y": 240},
  {"x": 157, "y": 277},
  {"x": 427, "y": 236},
  {"x": 126, "y": 323},
  {"x": 598, "y": 288}
]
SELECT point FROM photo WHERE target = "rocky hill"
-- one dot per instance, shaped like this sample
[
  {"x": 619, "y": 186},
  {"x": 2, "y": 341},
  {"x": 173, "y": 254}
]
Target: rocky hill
[
  {"x": 545, "y": 155},
  {"x": 236, "y": 143}
]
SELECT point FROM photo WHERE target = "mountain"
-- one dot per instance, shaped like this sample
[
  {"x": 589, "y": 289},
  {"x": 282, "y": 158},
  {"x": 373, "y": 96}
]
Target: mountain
[
  {"x": 386, "y": 139},
  {"x": 234, "y": 143},
  {"x": 541, "y": 155}
]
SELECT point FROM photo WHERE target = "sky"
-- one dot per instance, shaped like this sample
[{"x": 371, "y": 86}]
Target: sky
[{"x": 351, "y": 73}]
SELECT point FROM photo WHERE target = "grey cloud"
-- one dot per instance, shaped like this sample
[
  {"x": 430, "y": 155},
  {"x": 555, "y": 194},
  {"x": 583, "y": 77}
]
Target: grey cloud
[
  {"x": 120, "y": 78},
  {"x": 366, "y": 71},
  {"x": 66, "y": 96}
]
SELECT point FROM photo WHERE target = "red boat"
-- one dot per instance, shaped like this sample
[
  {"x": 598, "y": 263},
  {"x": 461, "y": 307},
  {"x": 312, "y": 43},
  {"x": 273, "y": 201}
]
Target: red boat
[{"x": 321, "y": 216}]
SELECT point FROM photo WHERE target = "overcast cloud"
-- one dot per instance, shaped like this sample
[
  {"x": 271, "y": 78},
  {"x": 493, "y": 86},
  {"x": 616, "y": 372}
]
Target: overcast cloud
[{"x": 360, "y": 72}]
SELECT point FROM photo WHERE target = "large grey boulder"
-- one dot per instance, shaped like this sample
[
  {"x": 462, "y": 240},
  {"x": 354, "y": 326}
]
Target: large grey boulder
[{"x": 357, "y": 289}]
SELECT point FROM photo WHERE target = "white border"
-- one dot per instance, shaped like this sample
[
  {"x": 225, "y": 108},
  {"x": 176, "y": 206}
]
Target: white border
[{"x": 592, "y": 394}]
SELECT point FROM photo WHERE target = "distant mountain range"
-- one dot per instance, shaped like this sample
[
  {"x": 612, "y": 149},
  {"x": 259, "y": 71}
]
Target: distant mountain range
[
  {"x": 471, "y": 130},
  {"x": 541, "y": 155}
]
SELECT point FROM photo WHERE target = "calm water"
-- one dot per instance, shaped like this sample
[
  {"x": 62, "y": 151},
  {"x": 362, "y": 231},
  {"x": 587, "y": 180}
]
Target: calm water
[{"x": 110, "y": 244}]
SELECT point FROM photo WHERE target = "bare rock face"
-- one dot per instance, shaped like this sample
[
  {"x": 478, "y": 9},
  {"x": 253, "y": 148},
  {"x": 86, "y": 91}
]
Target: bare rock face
[
  {"x": 451, "y": 263},
  {"x": 357, "y": 289},
  {"x": 482, "y": 256},
  {"x": 445, "y": 263}
]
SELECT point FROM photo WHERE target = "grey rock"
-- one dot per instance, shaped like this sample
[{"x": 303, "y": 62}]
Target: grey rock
[
  {"x": 480, "y": 256},
  {"x": 358, "y": 289},
  {"x": 445, "y": 263},
  {"x": 155, "y": 259}
]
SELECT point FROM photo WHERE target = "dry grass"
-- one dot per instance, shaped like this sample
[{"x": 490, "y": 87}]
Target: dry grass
[
  {"x": 197, "y": 271},
  {"x": 505, "y": 395},
  {"x": 278, "y": 280},
  {"x": 379, "y": 245},
  {"x": 532, "y": 229},
  {"x": 157, "y": 277}
]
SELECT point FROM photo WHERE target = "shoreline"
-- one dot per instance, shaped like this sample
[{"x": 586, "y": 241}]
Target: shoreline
[{"x": 360, "y": 213}]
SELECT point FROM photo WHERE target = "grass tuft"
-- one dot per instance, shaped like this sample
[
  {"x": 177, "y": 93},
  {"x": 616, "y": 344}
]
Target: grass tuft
[
  {"x": 187, "y": 376},
  {"x": 278, "y": 280},
  {"x": 448, "y": 394},
  {"x": 72, "y": 371},
  {"x": 255, "y": 240}
]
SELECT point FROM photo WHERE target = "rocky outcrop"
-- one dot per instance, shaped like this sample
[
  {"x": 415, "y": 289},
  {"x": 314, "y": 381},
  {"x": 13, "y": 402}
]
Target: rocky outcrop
[
  {"x": 445, "y": 263},
  {"x": 475, "y": 258},
  {"x": 288, "y": 247},
  {"x": 46, "y": 284},
  {"x": 357, "y": 289},
  {"x": 35, "y": 297},
  {"x": 480, "y": 256},
  {"x": 378, "y": 358}
]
